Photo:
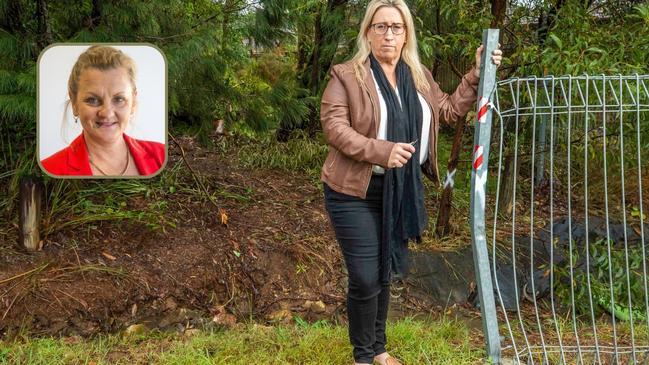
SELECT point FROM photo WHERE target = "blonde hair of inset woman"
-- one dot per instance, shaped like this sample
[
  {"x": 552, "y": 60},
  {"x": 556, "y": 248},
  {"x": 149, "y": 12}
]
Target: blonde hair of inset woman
[
  {"x": 409, "y": 53},
  {"x": 102, "y": 58}
]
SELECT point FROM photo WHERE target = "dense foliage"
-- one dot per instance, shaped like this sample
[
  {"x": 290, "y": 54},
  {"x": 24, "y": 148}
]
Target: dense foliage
[{"x": 261, "y": 66}]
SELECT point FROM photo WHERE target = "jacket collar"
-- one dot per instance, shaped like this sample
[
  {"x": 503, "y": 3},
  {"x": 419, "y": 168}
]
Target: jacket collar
[
  {"x": 78, "y": 156},
  {"x": 370, "y": 88},
  {"x": 143, "y": 159},
  {"x": 369, "y": 82}
]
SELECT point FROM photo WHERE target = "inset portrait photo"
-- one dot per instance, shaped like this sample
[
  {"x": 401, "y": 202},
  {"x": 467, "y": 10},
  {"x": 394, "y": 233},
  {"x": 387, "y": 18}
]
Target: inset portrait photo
[{"x": 102, "y": 110}]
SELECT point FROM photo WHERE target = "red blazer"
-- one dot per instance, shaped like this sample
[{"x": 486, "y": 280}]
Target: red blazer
[{"x": 149, "y": 157}]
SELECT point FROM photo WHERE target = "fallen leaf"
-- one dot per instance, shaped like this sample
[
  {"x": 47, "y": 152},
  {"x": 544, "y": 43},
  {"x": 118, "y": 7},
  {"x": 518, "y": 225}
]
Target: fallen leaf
[
  {"x": 637, "y": 231},
  {"x": 136, "y": 329},
  {"x": 224, "y": 217},
  {"x": 318, "y": 307},
  {"x": 225, "y": 320},
  {"x": 191, "y": 332},
  {"x": 170, "y": 304},
  {"x": 282, "y": 315},
  {"x": 109, "y": 256}
]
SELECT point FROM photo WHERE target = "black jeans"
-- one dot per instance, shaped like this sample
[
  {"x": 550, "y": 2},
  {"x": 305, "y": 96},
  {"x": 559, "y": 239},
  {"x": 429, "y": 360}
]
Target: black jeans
[{"x": 357, "y": 224}]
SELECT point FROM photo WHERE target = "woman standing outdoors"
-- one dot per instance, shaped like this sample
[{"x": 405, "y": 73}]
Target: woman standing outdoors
[{"x": 380, "y": 115}]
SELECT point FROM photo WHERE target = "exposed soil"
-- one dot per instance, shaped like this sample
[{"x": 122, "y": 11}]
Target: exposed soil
[{"x": 276, "y": 252}]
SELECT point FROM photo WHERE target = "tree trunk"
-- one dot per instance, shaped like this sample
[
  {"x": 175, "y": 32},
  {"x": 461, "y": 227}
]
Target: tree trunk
[
  {"x": 332, "y": 30},
  {"x": 546, "y": 22},
  {"x": 30, "y": 213},
  {"x": 95, "y": 14},
  {"x": 327, "y": 32},
  {"x": 11, "y": 19},
  {"x": 435, "y": 70},
  {"x": 498, "y": 10},
  {"x": 302, "y": 48},
  {"x": 443, "y": 227},
  {"x": 507, "y": 193},
  {"x": 44, "y": 32},
  {"x": 315, "y": 55}
]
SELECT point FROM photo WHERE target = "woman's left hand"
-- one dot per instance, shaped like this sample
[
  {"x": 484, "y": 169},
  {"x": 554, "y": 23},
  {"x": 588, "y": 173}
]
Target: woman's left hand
[{"x": 496, "y": 58}]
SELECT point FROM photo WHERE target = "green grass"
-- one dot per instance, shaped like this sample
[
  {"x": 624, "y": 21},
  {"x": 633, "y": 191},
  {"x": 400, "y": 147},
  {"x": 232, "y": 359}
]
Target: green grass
[
  {"x": 413, "y": 341},
  {"x": 72, "y": 203},
  {"x": 298, "y": 154},
  {"x": 567, "y": 330}
]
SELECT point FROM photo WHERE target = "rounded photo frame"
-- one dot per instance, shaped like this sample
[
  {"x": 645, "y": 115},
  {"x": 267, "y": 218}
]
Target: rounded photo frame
[{"x": 102, "y": 110}]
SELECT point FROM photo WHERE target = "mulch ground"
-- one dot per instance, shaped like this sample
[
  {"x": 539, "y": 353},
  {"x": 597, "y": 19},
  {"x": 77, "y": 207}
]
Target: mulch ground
[{"x": 276, "y": 252}]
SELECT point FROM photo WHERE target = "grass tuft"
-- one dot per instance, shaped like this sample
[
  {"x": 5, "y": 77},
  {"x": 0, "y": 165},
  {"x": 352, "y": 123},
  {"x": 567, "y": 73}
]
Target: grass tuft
[{"x": 300, "y": 154}]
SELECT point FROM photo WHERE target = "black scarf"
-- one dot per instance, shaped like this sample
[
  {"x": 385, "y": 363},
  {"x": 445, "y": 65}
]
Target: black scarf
[{"x": 404, "y": 213}]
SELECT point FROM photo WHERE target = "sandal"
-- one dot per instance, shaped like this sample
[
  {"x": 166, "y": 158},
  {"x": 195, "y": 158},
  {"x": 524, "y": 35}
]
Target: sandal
[{"x": 391, "y": 361}]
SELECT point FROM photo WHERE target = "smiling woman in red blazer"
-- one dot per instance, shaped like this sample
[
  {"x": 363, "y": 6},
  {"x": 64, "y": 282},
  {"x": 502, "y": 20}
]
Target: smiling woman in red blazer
[{"x": 103, "y": 97}]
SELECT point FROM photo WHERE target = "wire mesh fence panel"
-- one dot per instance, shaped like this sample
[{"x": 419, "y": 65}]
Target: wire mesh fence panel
[{"x": 566, "y": 212}]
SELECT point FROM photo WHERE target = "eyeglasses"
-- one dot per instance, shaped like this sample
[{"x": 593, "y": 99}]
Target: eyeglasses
[{"x": 382, "y": 28}]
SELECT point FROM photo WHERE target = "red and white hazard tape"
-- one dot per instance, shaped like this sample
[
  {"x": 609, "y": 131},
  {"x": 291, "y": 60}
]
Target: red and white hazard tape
[
  {"x": 478, "y": 157},
  {"x": 483, "y": 109}
]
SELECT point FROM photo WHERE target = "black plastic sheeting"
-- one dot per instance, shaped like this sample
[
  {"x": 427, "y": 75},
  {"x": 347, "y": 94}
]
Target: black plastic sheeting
[{"x": 524, "y": 269}]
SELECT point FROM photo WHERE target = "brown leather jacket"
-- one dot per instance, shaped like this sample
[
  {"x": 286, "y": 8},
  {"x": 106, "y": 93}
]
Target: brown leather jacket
[{"x": 349, "y": 115}]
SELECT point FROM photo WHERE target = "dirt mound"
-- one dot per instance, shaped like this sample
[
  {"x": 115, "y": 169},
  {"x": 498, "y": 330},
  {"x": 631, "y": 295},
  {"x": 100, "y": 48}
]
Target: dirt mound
[
  {"x": 275, "y": 258},
  {"x": 277, "y": 251}
]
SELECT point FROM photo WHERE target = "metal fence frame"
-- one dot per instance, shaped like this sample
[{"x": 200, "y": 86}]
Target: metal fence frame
[{"x": 546, "y": 110}]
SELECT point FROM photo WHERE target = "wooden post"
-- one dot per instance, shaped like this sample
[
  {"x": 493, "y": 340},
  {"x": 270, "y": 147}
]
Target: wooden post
[
  {"x": 31, "y": 190},
  {"x": 442, "y": 227}
]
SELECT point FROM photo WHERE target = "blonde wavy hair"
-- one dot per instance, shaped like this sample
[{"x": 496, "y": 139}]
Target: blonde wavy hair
[
  {"x": 102, "y": 58},
  {"x": 409, "y": 52}
]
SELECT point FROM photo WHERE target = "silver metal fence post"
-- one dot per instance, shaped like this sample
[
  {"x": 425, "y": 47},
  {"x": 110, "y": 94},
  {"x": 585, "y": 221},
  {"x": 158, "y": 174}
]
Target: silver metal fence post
[{"x": 478, "y": 188}]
